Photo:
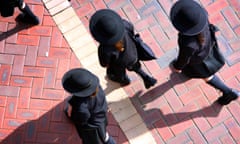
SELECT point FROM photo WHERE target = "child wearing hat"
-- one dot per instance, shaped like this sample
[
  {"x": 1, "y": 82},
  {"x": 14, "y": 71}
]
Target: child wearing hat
[
  {"x": 117, "y": 50},
  {"x": 87, "y": 107},
  {"x": 199, "y": 55},
  {"x": 27, "y": 16}
]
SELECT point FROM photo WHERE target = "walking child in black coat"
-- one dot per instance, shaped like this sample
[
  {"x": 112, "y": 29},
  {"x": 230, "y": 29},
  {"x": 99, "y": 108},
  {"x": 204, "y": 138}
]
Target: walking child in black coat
[
  {"x": 199, "y": 55},
  {"x": 117, "y": 50},
  {"x": 87, "y": 107}
]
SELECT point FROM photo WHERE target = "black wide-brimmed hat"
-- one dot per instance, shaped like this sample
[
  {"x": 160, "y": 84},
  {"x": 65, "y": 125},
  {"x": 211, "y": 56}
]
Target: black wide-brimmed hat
[
  {"x": 188, "y": 17},
  {"x": 106, "y": 26},
  {"x": 80, "y": 82}
]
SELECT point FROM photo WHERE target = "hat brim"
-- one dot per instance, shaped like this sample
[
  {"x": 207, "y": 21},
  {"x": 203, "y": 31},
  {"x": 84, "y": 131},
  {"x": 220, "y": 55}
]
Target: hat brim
[
  {"x": 203, "y": 18},
  {"x": 119, "y": 26},
  {"x": 81, "y": 93}
]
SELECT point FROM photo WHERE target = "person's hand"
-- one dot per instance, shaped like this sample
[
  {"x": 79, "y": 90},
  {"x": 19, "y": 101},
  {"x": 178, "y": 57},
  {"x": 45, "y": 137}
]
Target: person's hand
[
  {"x": 176, "y": 70},
  {"x": 120, "y": 46},
  {"x": 173, "y": 68},
  {"x": 69, "y": 110}
]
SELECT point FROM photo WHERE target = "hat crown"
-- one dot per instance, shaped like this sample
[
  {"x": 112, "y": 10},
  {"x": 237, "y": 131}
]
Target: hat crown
[
  {"x": 82, "y": 82},
  {"x": 188, "y": 17},
  {"x": 79, "y": 81},
  {"x": 106, "y": 26}
]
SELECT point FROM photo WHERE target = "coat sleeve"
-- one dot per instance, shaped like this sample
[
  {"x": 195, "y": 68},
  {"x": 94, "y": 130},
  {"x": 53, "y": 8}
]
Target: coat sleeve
[
  {"x": 107, "y": 55},
  {"x": 80, "y": 112},
  {"x": 187, "y": 48},
  {"x": 101, "y": 57},
  {"x": 183, "y": 58}
]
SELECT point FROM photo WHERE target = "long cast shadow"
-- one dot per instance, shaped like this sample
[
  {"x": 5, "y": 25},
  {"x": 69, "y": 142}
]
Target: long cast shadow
[
  {"x": 156, "y": 118},
  {"x": 171, "y": 119},
  {"x": 51, "y": 127},
  {"x": 159, "y": 90},
  {"x": 164, "y": 120},
  {"x": 19, "y": 27}
]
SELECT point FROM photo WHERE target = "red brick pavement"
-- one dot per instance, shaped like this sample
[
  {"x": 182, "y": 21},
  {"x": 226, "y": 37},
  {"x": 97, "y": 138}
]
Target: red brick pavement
[
  {"x": 177, "y": 110},
  {"x": 32, "y": 63}
]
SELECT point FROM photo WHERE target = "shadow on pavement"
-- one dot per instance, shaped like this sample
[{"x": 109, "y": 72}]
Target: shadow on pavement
[
  {"x": 159, "y": 90},
  {"x": 171, "y": 119},
  {"x": 153, "y": 115},
  {"x": 51, "y": 127},
  {"x": 156, "y": 118},
  {"x": 19, "y": 27}
]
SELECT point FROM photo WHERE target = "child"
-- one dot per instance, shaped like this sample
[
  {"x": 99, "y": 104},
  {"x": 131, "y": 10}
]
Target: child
[
  {"x": 87, "y": 107},
  {"x": 117, "y": 50},
  {"x": 199, "y": 55}
]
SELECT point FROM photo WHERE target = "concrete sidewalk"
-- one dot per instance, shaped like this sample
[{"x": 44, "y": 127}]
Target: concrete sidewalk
[{"x": 176, "y": 110}]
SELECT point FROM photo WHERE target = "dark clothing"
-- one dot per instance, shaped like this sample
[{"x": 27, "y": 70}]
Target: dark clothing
[
  {"x": 217, "y": 83},
  {"x": 190, "y": 51},
  {"x": 7, "y": 7},
  {"x": 117, "y": 61},
  {"x": 195, "y": 59},
  {"x": 89, "y": 115},
  {"x": 109, "y": 55}
]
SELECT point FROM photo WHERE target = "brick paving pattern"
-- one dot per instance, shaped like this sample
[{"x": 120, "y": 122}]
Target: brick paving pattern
[
  {"x": 32, "y": 63},
  {"x": 176, "y": 110}
]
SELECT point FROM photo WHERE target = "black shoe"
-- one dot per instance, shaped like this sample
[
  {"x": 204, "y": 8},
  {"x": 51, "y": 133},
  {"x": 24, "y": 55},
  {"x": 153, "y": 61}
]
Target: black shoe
[
  {"x": 227, "y": 98},
  {"x": 149, "y": 81},
  {"x": 28, "y": 19},
  {"x": 123, "y": 81}
]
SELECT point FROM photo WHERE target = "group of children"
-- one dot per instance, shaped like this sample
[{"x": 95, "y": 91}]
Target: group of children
[{"x": 198, "y": 57}]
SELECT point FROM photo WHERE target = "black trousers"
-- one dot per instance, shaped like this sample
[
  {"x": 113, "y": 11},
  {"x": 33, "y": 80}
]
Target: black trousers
[
  {"x": 120, "y": 71},
  {"x": 7, "y": 7},
  {"x": 117, "y": 70},
  {"x": 91, "y": 135}
]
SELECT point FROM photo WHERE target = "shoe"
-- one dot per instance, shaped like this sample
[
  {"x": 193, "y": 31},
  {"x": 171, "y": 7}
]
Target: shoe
[
  {"x": 123, "y": 81},
  {"x": 149, "y": 81},
  {"x": 227, "y": 98},
  {"x": 28, "y": 19}
]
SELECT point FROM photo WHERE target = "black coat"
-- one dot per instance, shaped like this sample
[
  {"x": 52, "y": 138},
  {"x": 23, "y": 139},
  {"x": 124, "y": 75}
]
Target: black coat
[
  {"x": 109, "y": 56},
  {"x": 7, "y": 7},
  {"x": 90, "y": 111},
  {"x": 190, "y": 51},
  {"x": 198, "y": 61},
  {"x": 90, "y": 116}
]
